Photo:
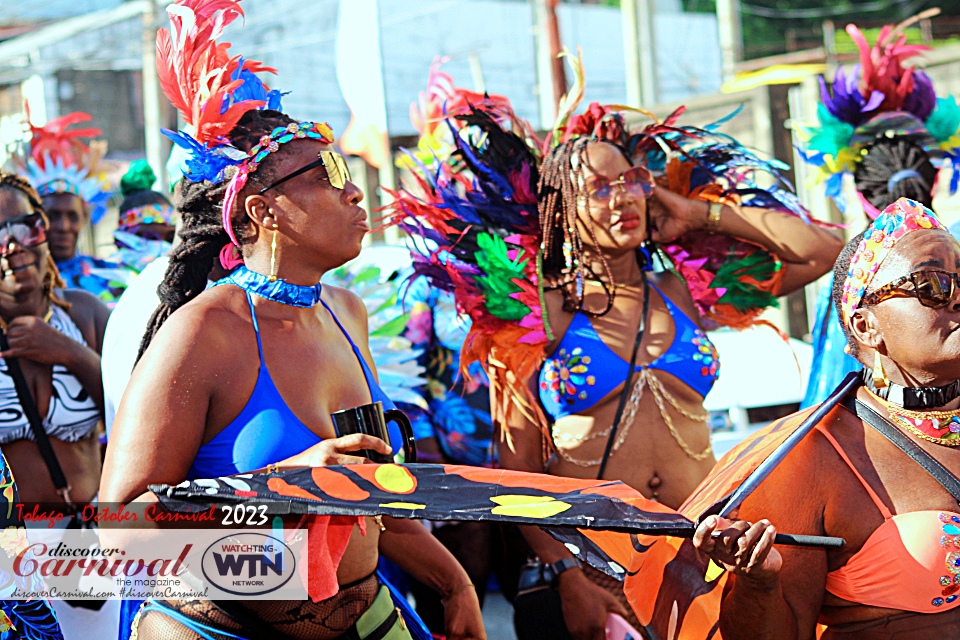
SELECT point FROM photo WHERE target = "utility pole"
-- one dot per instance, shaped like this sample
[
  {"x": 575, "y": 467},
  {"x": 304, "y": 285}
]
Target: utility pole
[
  {"x": 638, "y": 46},
  {"x": 151, "y": 98},
  {"x": 731, "y": 36},
  {"x": 541, "y": 37}
]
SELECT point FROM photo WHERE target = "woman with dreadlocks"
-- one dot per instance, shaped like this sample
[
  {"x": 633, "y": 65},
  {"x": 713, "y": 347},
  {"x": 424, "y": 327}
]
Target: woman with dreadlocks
[
  {"x": 552, "y": 262},
  {"x": 55, "y": 335},
  {"x": 237, "y": 379}
]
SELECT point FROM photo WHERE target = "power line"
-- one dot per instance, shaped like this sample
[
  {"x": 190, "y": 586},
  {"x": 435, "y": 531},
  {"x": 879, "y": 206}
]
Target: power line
[{"x": 823, "y": 12}]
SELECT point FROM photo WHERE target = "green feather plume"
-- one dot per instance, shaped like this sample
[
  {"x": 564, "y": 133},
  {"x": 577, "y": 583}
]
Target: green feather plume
[
  {"x": 744, "y": 296},
  {"x": 832, "y": 135},
  {"x": 497, "y": 282},
  {"x": 139, "y": 177}
]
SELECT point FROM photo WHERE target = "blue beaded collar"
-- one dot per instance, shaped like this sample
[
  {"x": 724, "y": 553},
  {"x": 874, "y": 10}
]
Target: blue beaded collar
[{"x": 278, "y": 291}]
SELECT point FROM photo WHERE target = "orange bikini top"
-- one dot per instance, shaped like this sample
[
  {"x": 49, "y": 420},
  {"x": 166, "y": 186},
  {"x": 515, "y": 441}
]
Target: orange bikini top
[{"x": 911, "y": 562}]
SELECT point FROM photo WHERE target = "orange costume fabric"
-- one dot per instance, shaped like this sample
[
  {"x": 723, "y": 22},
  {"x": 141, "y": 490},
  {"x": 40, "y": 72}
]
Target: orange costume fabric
[{"x": 675, "y": 591}]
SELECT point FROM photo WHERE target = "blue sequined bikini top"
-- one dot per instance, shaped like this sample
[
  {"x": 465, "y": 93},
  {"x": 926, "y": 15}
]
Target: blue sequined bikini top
[{"x": 583, "y": 370}]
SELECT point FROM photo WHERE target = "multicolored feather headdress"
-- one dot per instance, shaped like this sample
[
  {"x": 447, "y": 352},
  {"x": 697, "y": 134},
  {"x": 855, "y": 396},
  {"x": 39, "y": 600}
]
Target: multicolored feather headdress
[
  {"x": 58, "y": 160},
  {"x": 880, "y": 96},
  {"x": 476, "y": 228},
  {"x": 212, "y": 91}
]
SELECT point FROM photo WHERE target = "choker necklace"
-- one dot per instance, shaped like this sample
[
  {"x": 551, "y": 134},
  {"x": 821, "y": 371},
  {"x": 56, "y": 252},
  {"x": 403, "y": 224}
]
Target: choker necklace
[
  {"x": 278, "y": 291},
  {"x": 939, "y": 427},
  {"x": 922, "y": 398}
]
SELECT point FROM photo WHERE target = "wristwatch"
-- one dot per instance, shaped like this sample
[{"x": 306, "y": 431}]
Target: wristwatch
[{"x": 552, "y": 571}]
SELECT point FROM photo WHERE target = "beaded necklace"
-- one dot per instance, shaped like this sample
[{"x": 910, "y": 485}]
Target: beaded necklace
[{"x": 939, "y": 427}]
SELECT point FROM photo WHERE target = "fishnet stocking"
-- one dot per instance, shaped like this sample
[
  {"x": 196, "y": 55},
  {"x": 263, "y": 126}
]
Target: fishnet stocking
[{"x": 306, "y": 620}]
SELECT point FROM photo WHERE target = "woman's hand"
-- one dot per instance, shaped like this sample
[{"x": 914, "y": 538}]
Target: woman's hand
[
  {"x": 337, "y": 451},
  {"x": 672, "y": 215},
  {"x": 462, "y": 619},
  {"x": 586, "y": 606},
  {"x": 32, "y": 338},
  {"x": 740, "y": 547}
]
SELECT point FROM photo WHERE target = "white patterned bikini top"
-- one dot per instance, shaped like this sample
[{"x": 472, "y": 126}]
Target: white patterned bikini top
[{"x": 72, "y": 414}]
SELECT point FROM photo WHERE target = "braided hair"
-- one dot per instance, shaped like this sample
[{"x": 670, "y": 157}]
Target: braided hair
[
  {"x": 840, "y": 268},
  {"x": 563, "y": 263},
  {"x": 202, "y": 233},
  {"x": 52, "y": 279},
  {"x": 894, "y": 168}
]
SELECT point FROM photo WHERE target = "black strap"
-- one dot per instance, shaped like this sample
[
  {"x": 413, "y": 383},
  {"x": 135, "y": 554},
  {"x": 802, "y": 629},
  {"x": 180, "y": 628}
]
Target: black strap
[
  {"x": 29, "y": 407},
  {"x": 906, "y": 444},
  {"x": 628, "y": 384}
]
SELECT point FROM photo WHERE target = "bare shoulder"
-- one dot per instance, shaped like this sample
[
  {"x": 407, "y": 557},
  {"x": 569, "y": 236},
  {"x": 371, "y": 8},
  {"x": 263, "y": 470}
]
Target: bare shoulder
[
  {"x": 88, "y": 312},
  {"x": 810, "y": 464},
  {"x": 676, "y": 289},
  {"x": 208, "y": 325},
  {"x": 81, "y": 299},
  {"x": 349, "y": 309}
]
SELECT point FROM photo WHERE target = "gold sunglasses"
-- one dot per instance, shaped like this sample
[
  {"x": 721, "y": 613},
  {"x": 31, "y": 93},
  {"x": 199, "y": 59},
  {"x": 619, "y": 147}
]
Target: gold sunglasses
[{"x": 336, "y": 167}]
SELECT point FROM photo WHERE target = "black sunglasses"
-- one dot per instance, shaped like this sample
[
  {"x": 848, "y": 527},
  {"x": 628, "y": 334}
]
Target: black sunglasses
[
  {"x": 336, "y": 167},
  {"x": 933, "y": 288}
]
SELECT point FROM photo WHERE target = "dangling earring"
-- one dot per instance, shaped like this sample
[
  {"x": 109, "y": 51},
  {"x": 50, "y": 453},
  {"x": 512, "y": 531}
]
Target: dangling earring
[
  {"x": 879, "y": 378},
  {"x": 273, "y": 257}
]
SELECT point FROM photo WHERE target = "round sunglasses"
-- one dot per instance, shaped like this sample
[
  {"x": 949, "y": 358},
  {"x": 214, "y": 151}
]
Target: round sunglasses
[
  {"x": 933, "y": 288},
  {"x": 636, "y": 181}
]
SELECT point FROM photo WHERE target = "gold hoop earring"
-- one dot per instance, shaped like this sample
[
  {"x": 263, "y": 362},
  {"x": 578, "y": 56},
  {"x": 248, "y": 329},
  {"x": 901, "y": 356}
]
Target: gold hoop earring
[
  {"x": 879, "y": 378},
  {"x": 273, "y": 258}
]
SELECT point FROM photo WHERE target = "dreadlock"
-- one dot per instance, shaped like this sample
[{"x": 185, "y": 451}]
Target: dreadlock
[
  {"x": 840, "y": 268},
  {"x": 563, "y": 257},
  {"x": 882, "y": 175},
  {"x": 52, "y": 279},
  {"x": 202, "y": 233}
]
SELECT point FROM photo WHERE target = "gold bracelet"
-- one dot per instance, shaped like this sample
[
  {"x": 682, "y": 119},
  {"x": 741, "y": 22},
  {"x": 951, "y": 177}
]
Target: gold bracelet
[
  {"x": 713, "y": 216},
  {"x": 457, "y": 591}
]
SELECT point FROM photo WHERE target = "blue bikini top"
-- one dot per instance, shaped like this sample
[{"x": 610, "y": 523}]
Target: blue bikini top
[
  {"x": 267, "y": 430},
  {"x": 583, "y": 370}
]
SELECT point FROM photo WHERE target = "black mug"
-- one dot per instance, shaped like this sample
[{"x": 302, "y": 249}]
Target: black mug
[{"x": 372, "y": 420}]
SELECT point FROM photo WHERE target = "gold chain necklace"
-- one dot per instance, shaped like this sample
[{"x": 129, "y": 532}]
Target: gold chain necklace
[
  {"x": 645, "y": 378},
  {"x": 939, "y": 427}
]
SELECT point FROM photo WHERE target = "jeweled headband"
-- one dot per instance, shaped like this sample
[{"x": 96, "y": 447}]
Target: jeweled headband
[
  {"x": 267, "y": 145},
  {"x": 900, "y": 218},
  {"x": 155, "y": 213}
]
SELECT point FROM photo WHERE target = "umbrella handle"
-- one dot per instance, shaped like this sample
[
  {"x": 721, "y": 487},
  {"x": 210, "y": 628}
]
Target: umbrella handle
[
  {"x": 828, "y": 542},
  {"x": 797, "y": 540}
]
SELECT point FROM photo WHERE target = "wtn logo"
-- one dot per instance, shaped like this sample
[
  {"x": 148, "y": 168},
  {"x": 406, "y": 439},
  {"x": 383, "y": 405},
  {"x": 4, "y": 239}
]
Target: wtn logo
[
  {"x": 249, "y": 564},
  {"x": 257, "y": 564}
]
